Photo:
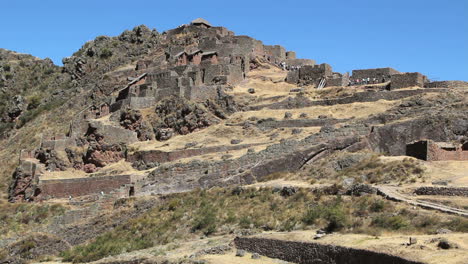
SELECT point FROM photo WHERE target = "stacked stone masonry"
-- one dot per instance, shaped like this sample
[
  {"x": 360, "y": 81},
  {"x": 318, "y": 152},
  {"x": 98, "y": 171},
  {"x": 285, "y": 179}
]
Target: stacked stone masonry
[
  {"x": 308, "y": 253},
  {"x": 444, "y": 191},
  {"x": 435, "y": 151},
  {"x": 64, "y": 188},
  {"x": 404, "y": 80}
]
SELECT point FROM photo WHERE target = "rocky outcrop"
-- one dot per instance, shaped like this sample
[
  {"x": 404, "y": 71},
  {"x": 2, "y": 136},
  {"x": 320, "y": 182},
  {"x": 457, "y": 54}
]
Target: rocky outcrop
[
  {"x": 133, "y": 120},
  {"x": 314, "y": 253},
  {"x": 182, "y": 116},
  {"x": 51, "y": 160},
  {"x": 25, "y": 181},
  {"x": 16, "y": 107},
  {"x": 392, "y": 139},
  {"x": 101, "y": 155}
]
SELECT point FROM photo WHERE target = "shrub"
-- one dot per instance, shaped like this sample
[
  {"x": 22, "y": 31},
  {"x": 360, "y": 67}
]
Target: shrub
[
  {"x": 33, "y": 101},
  {"x": 395, "y": 222},
  {"x": 206, "y": 220},
  {"x": 333, "y": 212},
  {"x": 105, "y": 53},
  {"x": 378, "y": 205}
]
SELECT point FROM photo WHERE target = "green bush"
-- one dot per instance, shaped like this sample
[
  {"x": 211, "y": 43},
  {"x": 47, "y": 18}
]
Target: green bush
[
  {"x": 205, "y": 220},
  {"x": 105, "y": 53},
  {"x": 393, "y": 222},
  {"x": 333, "y": 213}
]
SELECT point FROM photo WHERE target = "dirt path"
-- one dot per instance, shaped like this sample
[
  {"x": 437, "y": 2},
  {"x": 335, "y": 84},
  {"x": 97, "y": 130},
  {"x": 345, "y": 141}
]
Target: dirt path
[{"x": 391, "y": 193}]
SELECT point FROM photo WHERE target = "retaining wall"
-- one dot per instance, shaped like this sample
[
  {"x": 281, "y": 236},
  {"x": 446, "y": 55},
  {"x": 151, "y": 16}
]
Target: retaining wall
[
  {"x": 168, "y": 156},
  {"x": 63, "y": 188},
  {"x": 447, "y": 84},
  {"x": 369, "y": 96},
  {"x": 314, "y": 253}
]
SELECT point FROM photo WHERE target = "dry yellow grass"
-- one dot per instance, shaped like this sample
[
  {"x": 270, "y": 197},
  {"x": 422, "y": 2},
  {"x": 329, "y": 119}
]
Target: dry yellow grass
[
  {"x": 357, "y": 110},
  {"x": 230, "y": 258},
  {"x": 456, "y": 172}
]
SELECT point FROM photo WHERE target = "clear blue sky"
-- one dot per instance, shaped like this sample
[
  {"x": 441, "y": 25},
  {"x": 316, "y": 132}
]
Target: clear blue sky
[{"x": 429, "y": 36}]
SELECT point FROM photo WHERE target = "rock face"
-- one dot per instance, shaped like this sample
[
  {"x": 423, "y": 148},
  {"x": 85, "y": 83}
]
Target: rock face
[
  {"x": 25, "y": 181},
  {"x": 133, "y": 120},
  {"x": 181, "y": 117},
  {"x": 16, "y": 107}
]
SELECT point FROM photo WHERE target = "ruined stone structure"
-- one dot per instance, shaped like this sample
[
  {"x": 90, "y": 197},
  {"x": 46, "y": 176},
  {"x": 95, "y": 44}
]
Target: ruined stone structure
[
  {"x": 307, "y": 252},
  {"x": 433, "y": 151},
  {"x": 310, "y": 74},
  {"x": 404, "y": 80},
  {"x": 447, "y": 84},
  {"x": 64, "y": 188},
  {"x": 338, "y": 79},
  {"x": 196, "y": 62},
  {"x": 381, "y": 74}
]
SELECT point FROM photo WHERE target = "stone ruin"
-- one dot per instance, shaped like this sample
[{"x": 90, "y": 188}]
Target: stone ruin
[
  {"x": 322, "y": 75},
  {"x": 433, "y": 151},
  {"x": 196, "y": 62}
]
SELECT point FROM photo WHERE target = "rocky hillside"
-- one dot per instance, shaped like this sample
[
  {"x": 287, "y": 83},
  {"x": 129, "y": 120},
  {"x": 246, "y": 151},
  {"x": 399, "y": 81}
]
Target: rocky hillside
[{"x": 156, "y": 147}]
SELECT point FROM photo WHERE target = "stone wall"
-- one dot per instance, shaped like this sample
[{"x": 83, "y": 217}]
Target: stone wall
[
  {"x": 447, "y": 84},
  {"x": 299, "y": 122},
  {"x": 288, "y": 156},
  {"x": 113, "y": 134},
  {"x": 168, "y": 156},
  {"x": 274, "y": 53},
  {"x": 378, "y": 73},
  {"x": 308, "y": 252},
  {"x": 299, "y": 62},
  {"x": 290, "y": 55},
  {"x": 372, "y": 96},
  {"x": 436, "y": 152},
  {"x": 63, "y": 188},
  {"x": 58, "y": 144},
  {"x": 408, "y": 79},
  {"x": 445, "y": 191},
  {"x": 309, "y": 75},
  {"x": 341, "y": 81}
]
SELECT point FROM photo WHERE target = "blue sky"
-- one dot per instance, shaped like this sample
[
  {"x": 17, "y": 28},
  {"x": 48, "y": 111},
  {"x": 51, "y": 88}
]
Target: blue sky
[{"x": 428, "y": 36}]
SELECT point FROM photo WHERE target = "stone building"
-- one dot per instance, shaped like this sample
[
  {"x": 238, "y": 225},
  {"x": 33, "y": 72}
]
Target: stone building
[
  {"x": 310, "y": 74},
  {"x": 381, "y": 74},
  {"x": 200, "y": 22},
  {"x": 408, "y": 79},
  {"x": 338, "y": 79},
  {"x": 433, "y": 151}
]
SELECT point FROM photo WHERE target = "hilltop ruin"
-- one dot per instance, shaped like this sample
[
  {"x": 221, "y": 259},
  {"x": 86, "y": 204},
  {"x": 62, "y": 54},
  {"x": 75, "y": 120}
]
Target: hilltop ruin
[{"x": 200, "y": 64}]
